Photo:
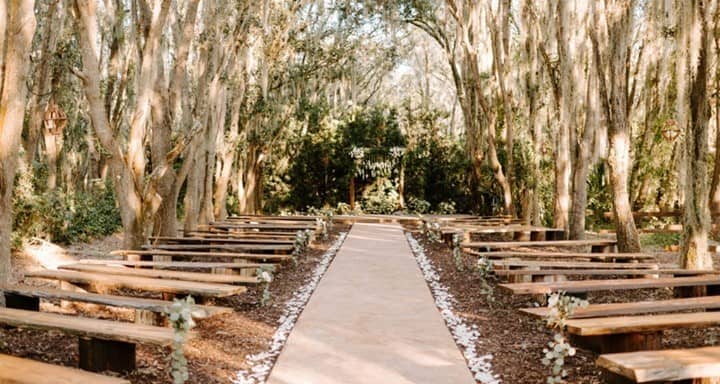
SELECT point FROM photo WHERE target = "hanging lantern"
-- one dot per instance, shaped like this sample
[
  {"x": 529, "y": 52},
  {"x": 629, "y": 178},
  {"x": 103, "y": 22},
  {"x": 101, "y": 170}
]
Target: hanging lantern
[
  {"x": 670, "y": 131},
  {"x": 54, "y": 120}
]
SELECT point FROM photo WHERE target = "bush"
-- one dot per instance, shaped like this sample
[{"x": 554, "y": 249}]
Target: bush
[
  {"x": 418, "y": 206},
  {"x": 66, "y": 217},
  {"x": 446, "y": 208},
  {"x": 381, "y": 199}
]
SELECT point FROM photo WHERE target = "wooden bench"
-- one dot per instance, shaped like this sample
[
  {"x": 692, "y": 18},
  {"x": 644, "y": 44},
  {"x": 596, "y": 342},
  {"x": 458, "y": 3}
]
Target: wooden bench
[
  {"x": 28, "y": 298},
  {"x": 634, "y": 333},
  {"x": 520, "y": 232},
  {"x": 584, "y": 286},
  {"x": 241, "y": 235},
  {"x": 596, "y": 245},
  {"x": 602, "y": 272},
  {"x": 635, "y": 308},
  {"x": 662, "y": 366},
  {"x": 104, "y": 344},
  {"x": 203, "y": 240},
  {"x": 163, "y": 274},
  {"x": 277, "y": 227},
  {"x": 197, "y": 254},
  {"x": 14, "y": 370},
  {"x": 176, "y": 264},
  {"x": 574, "y": 256},
  {"x": 507, "y": 264},
  {"x": 100, "y": 282},
  {"x": 276, "y": 248}
]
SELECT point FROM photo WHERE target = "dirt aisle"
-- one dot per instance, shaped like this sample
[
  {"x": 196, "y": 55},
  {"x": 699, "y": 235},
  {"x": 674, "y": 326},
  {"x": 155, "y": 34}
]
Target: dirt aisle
[{"x": 371, "y": 320}]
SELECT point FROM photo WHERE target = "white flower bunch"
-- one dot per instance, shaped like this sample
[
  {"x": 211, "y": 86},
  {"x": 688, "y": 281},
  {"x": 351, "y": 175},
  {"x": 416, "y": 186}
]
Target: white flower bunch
[
  {"x": 357, "y": 153},
  {"x": 457, "y": 251},
  {"x": 265, "y": 276},
  {"x": 397, "y": 152},
  {"x": 559, "y": 349},
  {"x": 180, "y": 315}
]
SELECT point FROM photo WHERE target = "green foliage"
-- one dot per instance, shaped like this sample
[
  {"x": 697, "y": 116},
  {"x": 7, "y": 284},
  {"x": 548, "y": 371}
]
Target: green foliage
[
  {"x": 487, "y": 276},
  {"x": 431, "y": 230},
  {"x": 446, "y": 208},
  {"x": 660, "y": 239},
  {"x": 381, "y": 198},
  {"x": 457, "y": 252},
  {"x": 264, "y": 274},
  {"x": 599, "y": 195},
  {"x": 417, "y": 206},
  {"x": 181, "y": 319},
  {"x": 559, "y": 349},
  {"x": 436, "y": 172},
  {"x": 65, "y": 217}
]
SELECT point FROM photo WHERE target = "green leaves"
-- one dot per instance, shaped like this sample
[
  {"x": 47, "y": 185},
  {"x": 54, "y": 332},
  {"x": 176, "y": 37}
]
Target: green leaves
[
  {"x": 561, "y": 308},
  {"x": 180, "y": 317}
]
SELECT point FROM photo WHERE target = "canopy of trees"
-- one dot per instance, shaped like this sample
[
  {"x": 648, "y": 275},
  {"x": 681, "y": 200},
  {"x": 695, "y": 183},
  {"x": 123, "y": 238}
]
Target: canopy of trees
[{"x": 159, "y": 115}]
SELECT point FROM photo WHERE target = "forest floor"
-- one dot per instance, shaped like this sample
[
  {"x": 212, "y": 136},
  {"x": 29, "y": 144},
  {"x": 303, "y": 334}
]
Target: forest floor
[
  {"x": 516, "y": 340},
  {"x": 222, "y": 344}
]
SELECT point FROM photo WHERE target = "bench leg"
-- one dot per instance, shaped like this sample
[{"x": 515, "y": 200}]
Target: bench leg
[
  {"x": 695, "y": 291},
  {"x": 623, "y": 342},
  {"x": 104, "y": 355},
  {"x": 602, "y": 249},
  {"x": 146, "y": 317},
  {"x": 613, "y": 378},
  {"x": 28, "y": 303}
]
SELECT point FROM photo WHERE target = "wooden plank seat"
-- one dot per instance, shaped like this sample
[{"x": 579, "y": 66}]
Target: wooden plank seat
[
  {"x": 275, "y": 226},
  {"x": 520, "y": 232},
  {"x": 104, "y": 344},
  {"x": 673, "y": 365},
  {"x": 226, "y": 247},
  {"x": 167, "y": 286},
  {"x": 574, "y": 256},
  {"x": 508, "y": 264},
  {"x": 15, "y": 370},
  {"x": 602, "y": 272},
  {"x": 176, "y": 264},
  {"x": 634, "y": 333},
  {"x": 200, "y": 254},
  {"x": 584, "y": 286},
  {"x": 310, "y": 219},
  {"x": 241, "y": 235},
  {"x": 635, "y": 308},
  {"x": 27, "y": 297},
  {"x": 596, "y": 245},
  {"x": 163, "y": 274},
  {"x": 202, "y": 240}
]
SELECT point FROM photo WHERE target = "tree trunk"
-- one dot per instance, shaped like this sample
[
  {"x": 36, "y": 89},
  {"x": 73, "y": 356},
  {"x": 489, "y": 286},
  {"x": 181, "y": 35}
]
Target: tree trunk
[
  {"x": 581, "y": 165},
  {"x": 613, "y": 89},
  {"x": 43, "y": 78},
  {"x": 693, "y": 114},
  {"x": 19, "y": 31}
]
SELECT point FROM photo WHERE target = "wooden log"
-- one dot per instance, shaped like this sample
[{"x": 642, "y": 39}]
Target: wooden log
[{"x": 98, "y": 355}]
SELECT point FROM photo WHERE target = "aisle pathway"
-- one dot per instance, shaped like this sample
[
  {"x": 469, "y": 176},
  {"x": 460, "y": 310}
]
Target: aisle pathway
[{"x": 371, "y": 320}]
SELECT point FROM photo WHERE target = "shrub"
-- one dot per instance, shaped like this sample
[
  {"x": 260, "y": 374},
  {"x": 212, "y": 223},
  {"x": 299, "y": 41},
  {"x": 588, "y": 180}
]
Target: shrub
[
  {"x": 417, "y": 206},
  {"x": 381, "y": 199},
  {"x": 66, "y": 217},
  {"x": 446, "y": 208}
]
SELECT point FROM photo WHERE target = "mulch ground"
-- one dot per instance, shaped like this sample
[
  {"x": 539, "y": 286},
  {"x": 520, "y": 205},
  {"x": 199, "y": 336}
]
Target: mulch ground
[
  {"x": 214, "y": 356},
  {"x": 516, "y": 340}
]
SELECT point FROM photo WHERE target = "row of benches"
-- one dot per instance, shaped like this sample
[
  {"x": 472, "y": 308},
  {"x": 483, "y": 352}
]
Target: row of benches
[
  {"x": 628, "y": 335},
  {"x": 241, "y": 247}
]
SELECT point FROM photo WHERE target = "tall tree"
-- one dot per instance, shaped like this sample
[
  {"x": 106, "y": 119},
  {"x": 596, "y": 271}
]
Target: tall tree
[
  {"x": 17, "y": 27},
  {"x": 693, "y": 113},
  {"x": 611, "y": 35}
]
